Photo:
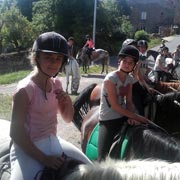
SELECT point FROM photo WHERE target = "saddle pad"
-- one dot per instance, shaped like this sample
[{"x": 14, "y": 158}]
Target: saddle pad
[{"x": 91, "y": 148}]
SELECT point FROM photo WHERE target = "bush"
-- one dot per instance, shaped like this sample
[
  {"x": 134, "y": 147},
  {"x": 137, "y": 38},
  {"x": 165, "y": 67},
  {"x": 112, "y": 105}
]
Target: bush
[{"x": 139, "y": 35}]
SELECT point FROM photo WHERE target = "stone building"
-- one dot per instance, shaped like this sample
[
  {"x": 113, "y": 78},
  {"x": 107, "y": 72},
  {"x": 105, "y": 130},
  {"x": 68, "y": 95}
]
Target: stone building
[{"x": 155, "y": 16}]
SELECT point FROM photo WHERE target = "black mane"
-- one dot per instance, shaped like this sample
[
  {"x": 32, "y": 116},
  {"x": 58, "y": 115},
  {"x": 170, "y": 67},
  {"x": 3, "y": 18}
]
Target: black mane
[{"x": 153, "y": 143}]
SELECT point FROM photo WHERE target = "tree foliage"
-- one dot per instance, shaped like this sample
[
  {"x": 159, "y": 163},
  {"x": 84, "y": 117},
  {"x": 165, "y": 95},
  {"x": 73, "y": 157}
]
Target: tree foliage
[
  {"x": 29, "y": 18},
  {"x": 142, "y": 35},
  {"x": 16, "y": 30}
]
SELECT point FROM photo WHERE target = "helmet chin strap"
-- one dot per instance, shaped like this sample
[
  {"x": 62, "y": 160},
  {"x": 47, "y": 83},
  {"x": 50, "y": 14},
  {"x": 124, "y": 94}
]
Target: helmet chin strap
[
  {"x": 48, "y": 76},
  {"x": 127, "y": 72}
]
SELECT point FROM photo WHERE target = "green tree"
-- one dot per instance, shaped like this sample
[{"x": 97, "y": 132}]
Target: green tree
[
  {"x": 16, "y": 29},
  {"x": 25, "y": 6},
  {"x": 43, "y": 16},
  {"x": 141, "y": 34}
]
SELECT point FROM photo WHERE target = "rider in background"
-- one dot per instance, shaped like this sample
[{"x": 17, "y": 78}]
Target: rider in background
[
  {"x": 141, "y": 89},
  {"x": 38, "y": 99},
  {"x": 176, "y": 57},
  {"x": 89, "y": 45},
  {"x": 129, "y": 42},
  {"x": 160, "y": 69},
  {"x": 116, "y": 105},
  {"x": 143, "y": 47}
]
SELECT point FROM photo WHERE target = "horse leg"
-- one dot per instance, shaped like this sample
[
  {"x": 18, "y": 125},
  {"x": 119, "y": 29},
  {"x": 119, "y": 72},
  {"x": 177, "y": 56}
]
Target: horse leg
[
  {"x": 67, "y": 82},
  {"x": 107, "y": 65},
  {"x": 102, "y": 68}
]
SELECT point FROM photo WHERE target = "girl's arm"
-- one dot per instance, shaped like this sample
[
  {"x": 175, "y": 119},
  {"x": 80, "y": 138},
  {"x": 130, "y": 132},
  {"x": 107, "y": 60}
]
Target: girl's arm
[
  {"x": 65, "y": 105},
  {"x": 113, "y": 100},
  {"x": 141, "y": 79}
]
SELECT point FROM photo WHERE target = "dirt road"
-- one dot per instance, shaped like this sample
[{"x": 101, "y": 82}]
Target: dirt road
[{"x": 68, "y": 131}]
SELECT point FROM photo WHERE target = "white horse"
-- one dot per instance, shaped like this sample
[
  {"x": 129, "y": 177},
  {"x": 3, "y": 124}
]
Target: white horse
[
  {"x": 127, "y": 170},
  {"x": 72, "y": 69}
]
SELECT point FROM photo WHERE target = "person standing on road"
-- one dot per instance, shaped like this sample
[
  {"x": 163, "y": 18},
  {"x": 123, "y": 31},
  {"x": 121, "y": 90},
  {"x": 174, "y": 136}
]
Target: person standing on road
[
  {"x": 116, "y": 106},
  {"x": 176, "y": 57},
  {"x": 36, "y": 102},
  {"x": 70, "y": 43},
  {"x": 71, "y": 69}
]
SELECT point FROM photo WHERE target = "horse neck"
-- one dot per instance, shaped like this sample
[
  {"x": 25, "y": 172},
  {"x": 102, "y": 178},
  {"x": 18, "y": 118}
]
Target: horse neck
[{"x": 152, "y": 143}]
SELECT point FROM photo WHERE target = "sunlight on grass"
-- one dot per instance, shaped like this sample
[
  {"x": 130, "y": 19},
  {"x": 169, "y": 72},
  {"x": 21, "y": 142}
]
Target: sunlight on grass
[
  {"x": 96, "y": 69},
  {"x": 5, "y": 106},
  {"x": 13, "y": 77}
]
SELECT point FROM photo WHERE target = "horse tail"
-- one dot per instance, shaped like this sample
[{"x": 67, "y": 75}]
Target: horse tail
[{"x": 82, "y": 105}]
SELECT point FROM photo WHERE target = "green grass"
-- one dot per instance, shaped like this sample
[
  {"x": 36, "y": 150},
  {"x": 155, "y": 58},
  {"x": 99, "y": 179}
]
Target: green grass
[
  {"x": 12, "y": 77},
  {"x": 6, "y": 100},
  {"x": 5, "y": 106},
  {"x": 154, "y": 42}
]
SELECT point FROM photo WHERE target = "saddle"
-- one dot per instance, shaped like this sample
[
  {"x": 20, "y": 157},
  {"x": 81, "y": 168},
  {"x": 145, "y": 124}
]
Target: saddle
[
  {"x": 5, "y": 161},
  {"x": 118, "y": 147}
]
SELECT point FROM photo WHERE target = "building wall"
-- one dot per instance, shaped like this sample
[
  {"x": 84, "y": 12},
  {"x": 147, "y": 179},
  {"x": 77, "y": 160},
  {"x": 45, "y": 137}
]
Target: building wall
[{"x": 150, "y": 15}]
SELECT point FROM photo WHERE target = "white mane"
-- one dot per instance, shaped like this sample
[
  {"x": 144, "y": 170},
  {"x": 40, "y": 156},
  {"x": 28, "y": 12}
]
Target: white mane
[{"x": 127, "y": 170}]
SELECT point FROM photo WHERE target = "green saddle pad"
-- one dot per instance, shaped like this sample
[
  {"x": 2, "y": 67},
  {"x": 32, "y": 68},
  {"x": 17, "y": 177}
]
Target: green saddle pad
[
  {"x": 92, "y": 145},
  {"x": 91, "y": 148}
]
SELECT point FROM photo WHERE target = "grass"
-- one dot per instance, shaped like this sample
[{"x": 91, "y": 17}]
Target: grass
[
  {"x": 6, "y": 100},
  {"x": 12, "y": 77},
  {"x": 5, "y": 106},
  {"x": 154, "y": 42}
]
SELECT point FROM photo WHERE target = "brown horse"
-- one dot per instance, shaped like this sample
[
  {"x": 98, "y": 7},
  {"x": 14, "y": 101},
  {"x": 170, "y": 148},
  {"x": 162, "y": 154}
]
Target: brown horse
[
  {"x": 165, "y": 87},
  {"x": 88, "y": 115},
  {"x": 97, "y": 55},
  {"x": 143, "y": 141}
]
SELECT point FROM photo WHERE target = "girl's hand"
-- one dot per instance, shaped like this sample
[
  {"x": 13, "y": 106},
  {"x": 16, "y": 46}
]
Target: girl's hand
[
  {"x": 133, "y": 122},
  {"x": 53, "y": 162},
  {"x": 61, "y": 95}
]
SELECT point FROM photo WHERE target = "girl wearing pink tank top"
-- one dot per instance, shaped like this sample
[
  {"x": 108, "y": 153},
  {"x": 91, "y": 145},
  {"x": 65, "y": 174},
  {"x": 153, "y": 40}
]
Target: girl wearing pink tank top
[{"x": 36, "y": 102}]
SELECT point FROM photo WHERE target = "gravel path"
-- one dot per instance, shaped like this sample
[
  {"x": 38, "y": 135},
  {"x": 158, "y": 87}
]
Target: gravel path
[{"x": 68, "y": 131}]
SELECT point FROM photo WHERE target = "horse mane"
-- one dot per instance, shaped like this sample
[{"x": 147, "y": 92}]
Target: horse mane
[
  {"x": 127, "y": 170},
  {"x": 82, "y": 105},
  {"x": 168, "y": 111},
  {"x": 151, "y": 142}
]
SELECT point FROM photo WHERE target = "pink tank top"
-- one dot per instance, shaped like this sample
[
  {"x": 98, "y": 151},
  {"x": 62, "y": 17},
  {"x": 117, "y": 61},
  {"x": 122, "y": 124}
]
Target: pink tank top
[{"x": 42, "y": 112}]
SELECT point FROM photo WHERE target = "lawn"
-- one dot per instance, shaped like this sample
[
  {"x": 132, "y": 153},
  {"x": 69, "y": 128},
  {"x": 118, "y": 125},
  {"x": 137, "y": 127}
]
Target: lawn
[{"x": 6, "y": 100}]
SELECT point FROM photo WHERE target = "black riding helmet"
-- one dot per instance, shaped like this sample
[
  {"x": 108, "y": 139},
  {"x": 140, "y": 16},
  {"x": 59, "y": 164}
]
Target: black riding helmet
[
  {"x": 129, "y": 42},
  {"x": 87, "y": 36},
  {"x": 165, "y": 48},
  {"x": 131, "y": 51},
  {"x": 51, "y": 42},
  {"x": 142, "y": 43}
]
